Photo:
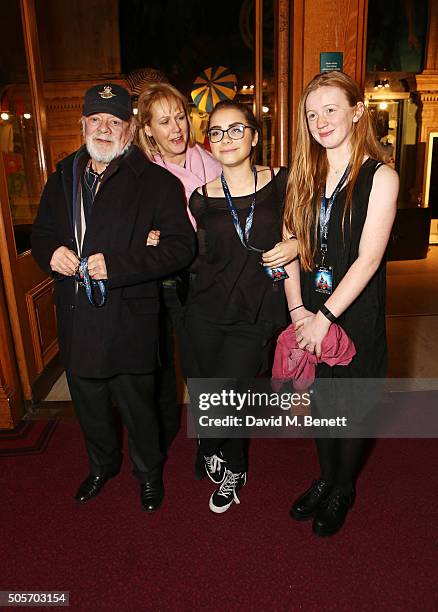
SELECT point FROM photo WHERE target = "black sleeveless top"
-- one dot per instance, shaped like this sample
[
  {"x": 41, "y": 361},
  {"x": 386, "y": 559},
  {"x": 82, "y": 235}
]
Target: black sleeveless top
[
  {"x": 364, "y": 319},
  {"x": 230, "y": 284}
]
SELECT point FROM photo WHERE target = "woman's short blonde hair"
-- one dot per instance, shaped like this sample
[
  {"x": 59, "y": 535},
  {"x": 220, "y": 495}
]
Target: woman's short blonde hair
[{"x": 152, "y": 93}]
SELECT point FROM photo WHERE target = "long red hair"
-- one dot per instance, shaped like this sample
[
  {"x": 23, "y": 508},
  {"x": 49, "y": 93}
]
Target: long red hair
[{"x": 309, "y": 168}]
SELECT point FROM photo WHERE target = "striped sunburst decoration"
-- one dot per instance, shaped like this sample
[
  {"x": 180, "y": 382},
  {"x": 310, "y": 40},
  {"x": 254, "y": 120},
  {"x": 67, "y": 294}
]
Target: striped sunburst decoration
[
  {"x": 212, "y": 85},
  {"x": 139, "y": 79}
]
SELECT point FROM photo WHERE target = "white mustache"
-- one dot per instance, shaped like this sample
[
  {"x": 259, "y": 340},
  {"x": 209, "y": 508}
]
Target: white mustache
[{"x": 98, "y": 137}]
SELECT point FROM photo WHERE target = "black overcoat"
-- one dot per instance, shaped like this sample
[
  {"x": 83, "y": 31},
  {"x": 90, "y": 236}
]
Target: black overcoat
[{"x": 137, "y": 196}]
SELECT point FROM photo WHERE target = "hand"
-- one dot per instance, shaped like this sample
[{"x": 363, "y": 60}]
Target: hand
[
  {"x": 282, "y": 254},
  {"x": 64, "y": 261},
  {"x": 153, "y": 238},
  {"x": 97, "y": 267},
  {"x": 311, "y": 331},
  {"x": 300, "y": 313}
]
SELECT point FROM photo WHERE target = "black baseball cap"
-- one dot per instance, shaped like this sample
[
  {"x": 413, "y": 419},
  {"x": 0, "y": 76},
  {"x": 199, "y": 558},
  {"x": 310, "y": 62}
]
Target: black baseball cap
[{"x": 108, "y": 98}]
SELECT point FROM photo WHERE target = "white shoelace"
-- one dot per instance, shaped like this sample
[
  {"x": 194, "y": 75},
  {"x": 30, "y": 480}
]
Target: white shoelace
[
  {"x": 229, "y": 485},
  {"x": 214, "y": 463}
]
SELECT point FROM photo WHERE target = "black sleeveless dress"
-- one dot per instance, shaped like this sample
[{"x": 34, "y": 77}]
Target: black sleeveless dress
[{"x": 364, "y": 319}]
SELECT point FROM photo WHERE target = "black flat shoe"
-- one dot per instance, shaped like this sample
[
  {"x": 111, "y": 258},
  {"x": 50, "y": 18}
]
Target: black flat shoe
[
  {"x": 91, "y": 487},
  {"x": 332, "y": 513},
  {"x": 307, "y": 504},
  {"x": 152, "y": 492}
]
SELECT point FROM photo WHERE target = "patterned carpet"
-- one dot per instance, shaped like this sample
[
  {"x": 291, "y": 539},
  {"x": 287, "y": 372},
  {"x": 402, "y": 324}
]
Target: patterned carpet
[{"x": 28, "y": 438}]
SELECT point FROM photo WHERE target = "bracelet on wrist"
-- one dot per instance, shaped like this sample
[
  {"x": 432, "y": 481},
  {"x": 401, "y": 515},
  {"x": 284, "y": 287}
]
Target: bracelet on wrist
[
  {"x": 328, "y": 314},
  {"x": 296, "y": 307}
]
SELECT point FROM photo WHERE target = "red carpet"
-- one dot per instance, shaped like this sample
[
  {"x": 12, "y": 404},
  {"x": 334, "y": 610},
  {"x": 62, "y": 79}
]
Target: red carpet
[
  {"x": 110, "y": 555},
  {"x": 28, "y": 438}
]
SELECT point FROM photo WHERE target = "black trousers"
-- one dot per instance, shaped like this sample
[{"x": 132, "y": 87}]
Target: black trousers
[
  {"x": 134, "y": 396},
  {"x": 226, "y": 351}
]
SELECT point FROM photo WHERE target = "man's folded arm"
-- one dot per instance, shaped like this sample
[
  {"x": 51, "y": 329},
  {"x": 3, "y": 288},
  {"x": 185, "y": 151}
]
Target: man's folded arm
[{"x": 176, "y": 249}]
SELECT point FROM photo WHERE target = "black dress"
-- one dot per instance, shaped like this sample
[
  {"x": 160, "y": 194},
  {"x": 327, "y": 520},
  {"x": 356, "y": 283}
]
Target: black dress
[
  {"x": 364, "y": 322},
  {"x": 364, "y": 319}
]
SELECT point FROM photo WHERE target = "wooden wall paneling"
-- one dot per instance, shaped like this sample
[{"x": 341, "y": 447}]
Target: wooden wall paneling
[
  {"x": 42, "y": 317},
  {"x": 361, "y": 46},
  {"x": 11, "y": 398},
  {"x": 296, "y": 78},
  {"x": 258, "y": 60},
  {"x": 31, "y": 44},
  {"x": 281, "y": 83},
  {"x": 331, "y": 25},
  {"x": 431, "y": 56},
  {"x": 7, "y": 256},
  {"x": 325, "y": 25},
  {"x": 85, "y": 34}
]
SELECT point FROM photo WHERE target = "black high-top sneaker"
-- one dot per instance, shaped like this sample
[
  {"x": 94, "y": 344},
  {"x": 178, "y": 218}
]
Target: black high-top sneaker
[
  {"x": 222, "y": 499},
  {"x": 215, "y": 467}
]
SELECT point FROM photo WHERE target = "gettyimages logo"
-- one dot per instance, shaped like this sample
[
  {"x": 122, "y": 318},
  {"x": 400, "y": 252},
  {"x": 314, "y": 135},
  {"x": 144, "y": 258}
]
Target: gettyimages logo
[{"x": 229, "y": 398}]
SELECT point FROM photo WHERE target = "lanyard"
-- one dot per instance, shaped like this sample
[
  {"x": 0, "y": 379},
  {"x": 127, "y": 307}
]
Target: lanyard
[
  {"x": 83, "y": 278},
  {"x": 326, "y": 211},
  {"x": 244, "y": 237}
]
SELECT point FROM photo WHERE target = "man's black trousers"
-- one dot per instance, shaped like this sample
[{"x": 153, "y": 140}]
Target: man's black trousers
[{"x": 133, "y": 394}]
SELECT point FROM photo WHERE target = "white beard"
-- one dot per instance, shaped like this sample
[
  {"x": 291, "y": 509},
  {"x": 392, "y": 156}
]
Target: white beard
[{"x": 108, "y": 156}]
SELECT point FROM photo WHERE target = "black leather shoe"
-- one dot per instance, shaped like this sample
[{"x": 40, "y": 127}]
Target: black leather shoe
[
  {"x": 152, "y": 491},
  {"x": 308, "y": 503},
  {"x": 332, "y": 513},
  {"x": 91, "y": 487}
]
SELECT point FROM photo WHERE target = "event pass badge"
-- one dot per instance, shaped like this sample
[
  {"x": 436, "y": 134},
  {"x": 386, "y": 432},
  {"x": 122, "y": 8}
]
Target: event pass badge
[{"x": 323, "y": 280}]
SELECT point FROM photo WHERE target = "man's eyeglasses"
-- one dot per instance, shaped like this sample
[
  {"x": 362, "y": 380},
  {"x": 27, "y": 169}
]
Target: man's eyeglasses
[{"x": 235, "y": 132}]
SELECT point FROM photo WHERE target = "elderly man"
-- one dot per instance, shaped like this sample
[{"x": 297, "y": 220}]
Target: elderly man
[{"x": 90, "y": 234}]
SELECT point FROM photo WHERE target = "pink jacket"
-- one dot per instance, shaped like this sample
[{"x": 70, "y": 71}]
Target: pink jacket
[{"x": 294, "y": 363}]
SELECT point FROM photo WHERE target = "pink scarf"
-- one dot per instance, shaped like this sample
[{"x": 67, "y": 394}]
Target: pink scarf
[
  {"x": 200, "y": 168},
  {"x": 293, "y": 363}
]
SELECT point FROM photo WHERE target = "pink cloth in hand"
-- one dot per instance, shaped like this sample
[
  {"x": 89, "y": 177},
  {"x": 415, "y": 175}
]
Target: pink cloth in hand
[{"x": 293, "y": 363}]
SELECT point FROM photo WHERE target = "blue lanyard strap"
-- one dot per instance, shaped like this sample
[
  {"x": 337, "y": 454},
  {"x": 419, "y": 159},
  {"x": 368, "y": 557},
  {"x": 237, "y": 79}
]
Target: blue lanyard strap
[
  {"x": 244, "y": 237},
  {"x": 83, "y": 278},
  {"x": 326, "y": 209}
]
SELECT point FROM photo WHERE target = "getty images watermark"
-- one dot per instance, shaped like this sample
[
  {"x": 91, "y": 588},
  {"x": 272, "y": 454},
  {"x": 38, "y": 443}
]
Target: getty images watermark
[
  {"x": 229, "y": 398},
  {"x": 365, "y": 408}
]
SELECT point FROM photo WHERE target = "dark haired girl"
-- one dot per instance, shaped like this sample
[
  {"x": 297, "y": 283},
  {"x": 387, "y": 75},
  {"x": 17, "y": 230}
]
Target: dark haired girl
[{"x": 234, "y": 307}]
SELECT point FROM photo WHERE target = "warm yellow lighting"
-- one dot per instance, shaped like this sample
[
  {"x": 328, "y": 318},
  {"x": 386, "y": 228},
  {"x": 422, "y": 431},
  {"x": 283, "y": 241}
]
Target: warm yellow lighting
[
  {"x": 383, "y": 105},
  {"x": 4, "y": 116},
  {"x": 26, "y": 115},
  {"x": 265, "y": 109},
  {"x": 135, "y": 111}
]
